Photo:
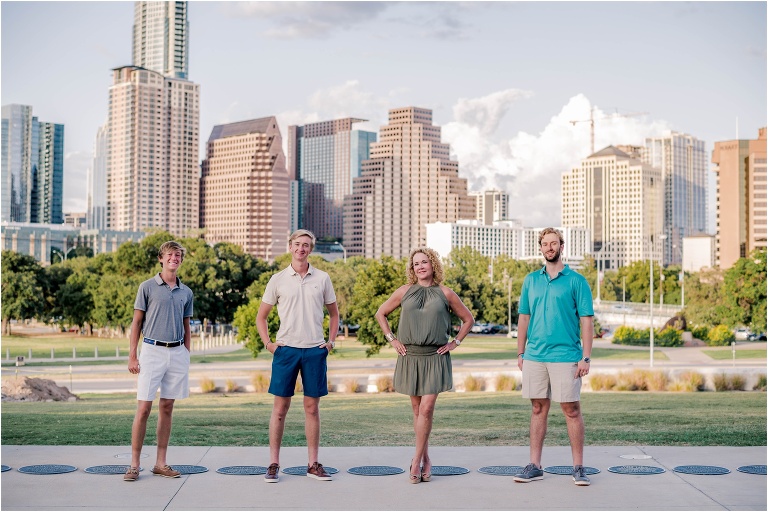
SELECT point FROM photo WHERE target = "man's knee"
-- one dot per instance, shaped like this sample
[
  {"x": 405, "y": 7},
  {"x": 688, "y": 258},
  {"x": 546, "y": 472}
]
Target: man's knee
[
  {"x": 312, "y": 407},
  {"x": 143, "y": 409},
  {"x": 540, "y": 406},
  {"x": 571, "y": 410},
  {"x": 280, "y": 407}
]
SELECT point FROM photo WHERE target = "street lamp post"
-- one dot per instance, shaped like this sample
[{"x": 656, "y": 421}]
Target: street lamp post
[
  {"x": 344, "y": 250},
  {"x": 651, "y": 280}
]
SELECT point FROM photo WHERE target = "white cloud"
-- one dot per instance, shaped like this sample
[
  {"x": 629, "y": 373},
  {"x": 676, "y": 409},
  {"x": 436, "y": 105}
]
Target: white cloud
[
  {"x": 312, "y": 20},
  {"x": 76, "y": 165},
  {"x": 529, "y": 166}
]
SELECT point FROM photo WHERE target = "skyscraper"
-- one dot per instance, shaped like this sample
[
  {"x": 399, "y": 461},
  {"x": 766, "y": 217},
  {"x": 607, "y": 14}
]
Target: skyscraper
[
  {"x": 408, "y": 181},
  {"x": 47, "y": 193},
  {"x": 152, "y": 166},
  {"x": 324, "y": 157},
  {"x": 682, "y": 159},
  {"x": 161, "y": 38},
  {"x": 741, "y": 198},
  {"x": 619, "y": 200},
  {"x": 245, "y": 186},
  {"x": 32, "y": 167},
  {"x": 152, "y": 160},
  {"x": 491, "y": 205},
  {"x": 96, "y": 195}
]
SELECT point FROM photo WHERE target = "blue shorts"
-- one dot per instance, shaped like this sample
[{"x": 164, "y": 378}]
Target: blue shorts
[{"x": 287, "y": 362}]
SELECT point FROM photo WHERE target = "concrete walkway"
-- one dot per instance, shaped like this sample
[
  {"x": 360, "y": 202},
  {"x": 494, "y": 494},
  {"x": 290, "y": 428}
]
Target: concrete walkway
[{"x": 473, "y": 491}]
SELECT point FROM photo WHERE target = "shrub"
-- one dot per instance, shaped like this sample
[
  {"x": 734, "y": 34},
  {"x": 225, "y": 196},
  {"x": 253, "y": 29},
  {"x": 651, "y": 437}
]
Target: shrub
[
  {"x": 207, "y": 385},
  {"x": 231, "y": 386},
  {"x": 720, "y": 335},
  {"x": 737, "y": 382},
  {"x": 631, "y": 381},
  {"x": 656, "y": 380},
  {"x": 701, "y": 333},
  {"x": 385, "y": 384},
  {"x": 624, "y": 335},
  {"x": 299, "y": 387},
  {"x": 721, "y": 382},
  {"x": 668, "y": 337},
  {"x": 688, "y": 381},
  {"x": 505, "y": 383},
  {"x": 260, "y": 381},
  {"x": 602, "y": 382},
  {"x": 472, "y": 383},
  {"x": 352, "y": 385},
  {"x": 760, "y": 384}
]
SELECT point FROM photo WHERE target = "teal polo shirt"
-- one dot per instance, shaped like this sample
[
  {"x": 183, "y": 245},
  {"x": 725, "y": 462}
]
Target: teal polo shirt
[{"x": 555, "y": 306}]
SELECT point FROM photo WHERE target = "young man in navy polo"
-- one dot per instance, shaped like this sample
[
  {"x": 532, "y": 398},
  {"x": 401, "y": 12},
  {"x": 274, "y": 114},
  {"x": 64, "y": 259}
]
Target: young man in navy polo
[{"x": 161, "y": 315}]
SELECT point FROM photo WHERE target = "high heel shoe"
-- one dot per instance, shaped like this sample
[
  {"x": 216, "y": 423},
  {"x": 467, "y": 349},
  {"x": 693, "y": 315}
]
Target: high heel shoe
[
  {"x": 425, "y": 477},
  {"x": 414, "y": 479}
]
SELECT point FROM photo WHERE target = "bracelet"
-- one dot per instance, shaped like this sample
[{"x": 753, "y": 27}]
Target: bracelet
[
  {"x": 520, "y": 354},
  {"x": 390, "y": 337}
]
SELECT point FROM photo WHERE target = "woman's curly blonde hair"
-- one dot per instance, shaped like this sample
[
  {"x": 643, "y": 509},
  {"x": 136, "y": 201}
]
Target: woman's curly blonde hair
[{"x": 434, "y": 259}]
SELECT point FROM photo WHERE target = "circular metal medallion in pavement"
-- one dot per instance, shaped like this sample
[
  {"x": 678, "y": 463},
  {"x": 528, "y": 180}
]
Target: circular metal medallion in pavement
[
  {"x": 702, "y": 470},
  {"x": 110, "y": 469},
  {"x": 302, "y": 470},
  {"x": 242, "y": 470},
  {"x": 567, "y": 470},
  {"x": 501, "y": 470},
  {"x": 6, "y": 468},
  {"x": 47, "y": 469},
  {"x": 189, "y": 470},
  {"x": 448, "y": 470},
  {"x": 636, "y": 470},
  {"x": 375, "y": 470},
  {"x": 758, "y": 469}
]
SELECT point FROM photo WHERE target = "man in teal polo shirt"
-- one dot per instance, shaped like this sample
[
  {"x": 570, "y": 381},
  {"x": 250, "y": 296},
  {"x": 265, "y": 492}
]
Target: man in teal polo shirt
[{"x": 554, "y": 345}]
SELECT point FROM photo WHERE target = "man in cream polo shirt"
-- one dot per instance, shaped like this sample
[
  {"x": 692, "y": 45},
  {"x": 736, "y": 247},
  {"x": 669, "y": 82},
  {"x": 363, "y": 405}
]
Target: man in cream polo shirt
[{"x": 299, "y": 291}]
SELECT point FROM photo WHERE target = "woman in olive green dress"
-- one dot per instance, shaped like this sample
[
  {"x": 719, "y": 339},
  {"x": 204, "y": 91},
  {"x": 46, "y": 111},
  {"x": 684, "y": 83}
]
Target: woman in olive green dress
[{"x": 423, "y": 344}]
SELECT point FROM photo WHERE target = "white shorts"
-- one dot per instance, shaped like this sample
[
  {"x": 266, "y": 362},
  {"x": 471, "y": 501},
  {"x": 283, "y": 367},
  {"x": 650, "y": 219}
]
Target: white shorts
[
  {"x": 164, "y": 368},
  {"x": 555, "y": 381}
]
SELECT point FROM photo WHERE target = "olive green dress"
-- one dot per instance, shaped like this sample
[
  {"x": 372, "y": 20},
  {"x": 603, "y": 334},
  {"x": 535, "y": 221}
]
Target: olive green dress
[{"x": 425, "y": 325}]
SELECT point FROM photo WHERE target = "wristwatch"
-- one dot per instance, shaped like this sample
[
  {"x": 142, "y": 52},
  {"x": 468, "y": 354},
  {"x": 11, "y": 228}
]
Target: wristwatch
[
  {"x": 457, "y": 341},
  {"x": 332, "y": 343},
  {"x": 587, "y": 360}
]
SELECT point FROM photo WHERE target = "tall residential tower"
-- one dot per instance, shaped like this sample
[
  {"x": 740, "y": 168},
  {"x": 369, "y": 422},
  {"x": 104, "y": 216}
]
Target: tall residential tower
[
  {"x": 619, "y": 200},
  {"x": 324, "y": 158},
  {"x": 161, "y": 38},
  {"x": 32, "y": 167},
  {"x": 244, "y": 188},
  {"x": 408, "y": 182},
  {"x": 741, "y": 198}
]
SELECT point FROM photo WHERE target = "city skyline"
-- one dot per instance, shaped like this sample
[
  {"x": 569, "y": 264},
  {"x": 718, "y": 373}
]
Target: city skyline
[{"x": 503, "y": 79}]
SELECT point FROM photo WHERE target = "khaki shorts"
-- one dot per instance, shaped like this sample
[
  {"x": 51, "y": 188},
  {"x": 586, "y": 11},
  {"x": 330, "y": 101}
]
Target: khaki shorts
[{"x": 555, "y": 381}]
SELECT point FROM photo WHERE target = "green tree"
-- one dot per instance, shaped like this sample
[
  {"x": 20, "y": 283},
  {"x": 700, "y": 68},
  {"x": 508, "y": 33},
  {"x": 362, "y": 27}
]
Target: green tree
[
  {"x": 745, "y": 291},
  {"x": 22, "y": 288},
  {"x": 377, "y": 280},
  {"x": 704, "y": 301},
  {"x": 467, "y": 274},
  {"x": 113, "y": 300}
]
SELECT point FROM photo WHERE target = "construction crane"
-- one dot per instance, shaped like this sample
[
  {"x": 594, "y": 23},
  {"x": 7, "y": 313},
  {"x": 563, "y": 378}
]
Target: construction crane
[{"x": 592, "y": 120}]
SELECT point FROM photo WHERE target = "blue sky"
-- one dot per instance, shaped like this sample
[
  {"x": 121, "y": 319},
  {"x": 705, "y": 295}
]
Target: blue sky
[{"x": 503, "y": 78}]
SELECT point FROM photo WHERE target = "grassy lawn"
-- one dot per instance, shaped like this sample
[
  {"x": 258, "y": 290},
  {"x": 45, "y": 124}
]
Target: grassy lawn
[
  {"x": 476, "y": 347},
  {"x": 461, "y": 419},
  {"x": 725, "y": 353}
]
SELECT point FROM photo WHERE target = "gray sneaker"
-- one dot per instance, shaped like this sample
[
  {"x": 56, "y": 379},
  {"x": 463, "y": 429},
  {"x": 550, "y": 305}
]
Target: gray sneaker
[
  {"x": 529, "y": 474},
  {"x": 579, "y": 477}
]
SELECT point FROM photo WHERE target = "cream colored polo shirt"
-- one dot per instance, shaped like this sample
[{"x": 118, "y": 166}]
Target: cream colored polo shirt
[{"x": 300, "y": 305}]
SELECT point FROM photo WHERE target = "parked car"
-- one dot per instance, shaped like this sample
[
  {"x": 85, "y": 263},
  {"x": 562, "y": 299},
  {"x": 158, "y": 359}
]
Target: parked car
[
  {"x": 756, "y": 337},
  {"x": 512, "y": 333},
  {"x": 742, "y": 334},
  {"x": 481, "y": 329}
]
